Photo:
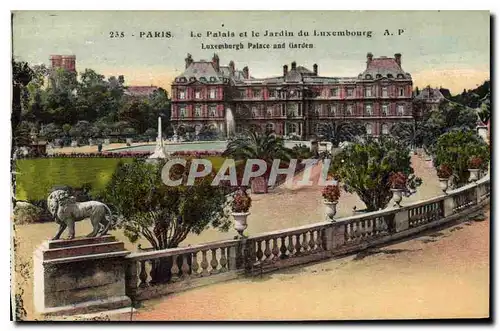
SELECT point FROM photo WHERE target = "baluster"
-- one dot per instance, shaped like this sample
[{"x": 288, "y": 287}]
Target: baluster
[
  {"x": 311, "y": 241},
  {"x": 194, "y": 265},
  {"x": 204, "y": 264},
  {"x": 347, "y": 233},
  {"x": 290, "y": 246},
  {"x": 319, "y": 246},
  {"x": 305, "y": 246},
  {"x": 275, "y": 249},
  {"x": 298, "y": 246},
  {"x": 267, "y": 251},
  {"x": 223, "y": 259},
  {"x": 175, "y": 269},
  {"x": 185, "y": 267},
  {"x": 214, "y": 263},
  {"x": 259, "y": 253},
  {"x": 283, "y": 248},
  {"x": 143, "y": 275}
]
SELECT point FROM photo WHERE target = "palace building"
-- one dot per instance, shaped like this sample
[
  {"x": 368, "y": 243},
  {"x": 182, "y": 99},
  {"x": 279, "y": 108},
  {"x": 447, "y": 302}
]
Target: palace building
[{"x": 295, "y": 104}]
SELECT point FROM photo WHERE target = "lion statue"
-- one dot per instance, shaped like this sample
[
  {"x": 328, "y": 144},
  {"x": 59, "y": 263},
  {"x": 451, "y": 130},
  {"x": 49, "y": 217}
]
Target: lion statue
[{"x": 66, "y": 211}]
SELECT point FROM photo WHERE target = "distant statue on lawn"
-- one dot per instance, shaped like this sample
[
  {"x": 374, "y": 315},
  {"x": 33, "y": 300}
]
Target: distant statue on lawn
[{"x": 66, "y": 211}]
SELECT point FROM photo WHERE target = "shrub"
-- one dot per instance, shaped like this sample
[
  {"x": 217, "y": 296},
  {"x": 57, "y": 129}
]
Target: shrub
[
  {"x": 25, "y": 213},
  {"x": 365, "y": 167},
  {"x": 331, "y": 193},
  {"x": 456, "y": 148},
  {"x": 444, "y": 171},
  {"x": 475, "y": 162},
  {"x": 241, "y": 201},
  {"x": 398, "y": 180}
]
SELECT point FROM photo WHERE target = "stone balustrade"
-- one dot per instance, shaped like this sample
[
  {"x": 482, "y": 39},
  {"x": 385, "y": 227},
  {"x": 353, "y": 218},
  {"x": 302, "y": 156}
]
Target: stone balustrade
[
  {"x": 115, "y": 275},
  {"x": 217, "y": 261}
]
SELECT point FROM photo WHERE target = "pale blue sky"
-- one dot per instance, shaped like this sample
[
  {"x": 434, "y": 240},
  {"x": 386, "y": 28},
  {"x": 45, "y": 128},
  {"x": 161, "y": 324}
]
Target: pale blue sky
[{"x": 439, "y": 48}]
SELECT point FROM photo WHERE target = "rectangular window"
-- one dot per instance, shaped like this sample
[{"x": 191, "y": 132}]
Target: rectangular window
[
  {"x": 350, "y": 92},
  {"x": 385, "y": 110},
  {"x": 182, "y": 111},
  {"x": 334, "y": 92},
  {"x": 197, "y": 94},
  {"x": 349, "y": 110},
  {"x": 213, "y": 111},
  {"x": 256, "y": 93},
  {"x": 401, "y": 92},
  {"x": 212, "y": 93},
  {"x": 401, "y": 110},
  {"x": 182, "y": 94},
  {"x": 197, "y": 111},
  {"x": 368, "y": 91},
  {"x": 368, "y": 109},
  {"x": 333, "y": 110},
  {"x": 384, "y": 92}
]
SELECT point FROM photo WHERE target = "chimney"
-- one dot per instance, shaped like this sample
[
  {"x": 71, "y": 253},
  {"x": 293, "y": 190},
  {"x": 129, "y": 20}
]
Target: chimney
[
  {"x": 285, "y": 70},
  {"x": 315, "y": 69},
  {"x": 294, "y": 65},
  {"x": 188, "y": 60},
  {"x": 369, "y": 58},
  {"x": 231, "y": 67},
  {"x": 246, "y": 74},
  {"x": 397, "y": 57},
  {"x": 215, "y": 62}
]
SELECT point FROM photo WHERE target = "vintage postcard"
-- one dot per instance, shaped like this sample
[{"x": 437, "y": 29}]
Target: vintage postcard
[{"x": 250, "y": 165}]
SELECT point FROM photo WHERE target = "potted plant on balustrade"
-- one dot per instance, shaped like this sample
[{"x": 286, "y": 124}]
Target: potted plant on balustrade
[
  {"x": 240, "y": 210},
  {"x": 397, "y": 182},
  {"x": 444, "y": 173},
  {"x": 331, "y": 195},
  {"x": 475, "y": 164}
]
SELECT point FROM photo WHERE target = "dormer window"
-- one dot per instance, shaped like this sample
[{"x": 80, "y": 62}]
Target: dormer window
[
  {"x": 378, "y": 76},
  {"x": 401, "y": 76},
  {"x": 213, "y": 79},
  {"x": 203, "y": 79},
  {"x": 192, "y": 79},
  {"x": 389, "y": 76},
  {"x": 368, "y": 76}
]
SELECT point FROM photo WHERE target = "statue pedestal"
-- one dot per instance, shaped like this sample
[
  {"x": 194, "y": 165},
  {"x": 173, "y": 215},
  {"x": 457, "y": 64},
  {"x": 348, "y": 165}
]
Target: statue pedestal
[{"x": 79, "y": 276}]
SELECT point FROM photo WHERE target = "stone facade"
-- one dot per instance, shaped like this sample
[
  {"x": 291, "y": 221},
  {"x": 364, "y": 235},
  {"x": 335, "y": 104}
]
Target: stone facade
[{"x": 297, "y": 103}]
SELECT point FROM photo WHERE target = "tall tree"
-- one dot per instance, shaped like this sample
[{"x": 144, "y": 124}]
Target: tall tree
[{"x": 337, "y": 132}]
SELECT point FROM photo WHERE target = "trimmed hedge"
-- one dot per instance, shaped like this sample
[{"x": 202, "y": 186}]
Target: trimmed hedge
[{"x": 36, "y": 177}]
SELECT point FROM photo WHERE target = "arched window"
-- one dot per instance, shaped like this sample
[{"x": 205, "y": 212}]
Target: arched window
[
  {"x": 269, "y": 112},
  {"x": 369, "y": 128},
  {"x": 385, "y": 128},
  {"x": 401, "y": 76},
  {"x": 401, "y": 92},
  {"x": 292, "y": 128}
]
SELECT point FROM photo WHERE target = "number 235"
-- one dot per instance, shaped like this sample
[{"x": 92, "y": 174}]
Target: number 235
[{"x": 116, "y": 34}]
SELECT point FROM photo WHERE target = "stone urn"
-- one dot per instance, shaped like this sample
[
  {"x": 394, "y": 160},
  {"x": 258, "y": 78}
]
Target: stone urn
[
  {"x": 240, "y": 222},
  {"x": 443, "y": 184},
  {"x": 330, "y": 209},
  {"x": 397, "y": 194},
  {"x": 474, "y": 175}
]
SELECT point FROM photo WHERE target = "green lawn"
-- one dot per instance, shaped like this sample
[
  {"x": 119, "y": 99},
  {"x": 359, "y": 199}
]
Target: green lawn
[{"x": 37, "y": 176}]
